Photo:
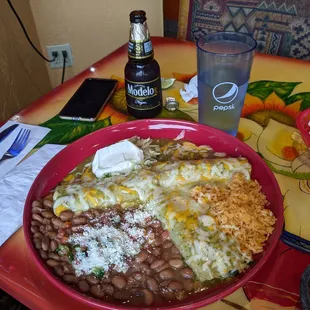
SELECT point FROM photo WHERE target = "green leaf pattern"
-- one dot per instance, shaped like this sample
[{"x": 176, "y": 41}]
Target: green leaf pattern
[
  {"x": 305, "y": 97},
  {"x": 263, "y": 89},
  {"x": 65, "y": 132}
]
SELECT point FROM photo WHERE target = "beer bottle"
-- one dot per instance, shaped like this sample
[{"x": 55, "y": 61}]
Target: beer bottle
[{"x": 142, "y": 72}]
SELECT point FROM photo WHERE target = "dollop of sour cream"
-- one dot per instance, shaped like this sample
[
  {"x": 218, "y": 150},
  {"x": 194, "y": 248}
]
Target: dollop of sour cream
[{"x": 121, "y": 157}]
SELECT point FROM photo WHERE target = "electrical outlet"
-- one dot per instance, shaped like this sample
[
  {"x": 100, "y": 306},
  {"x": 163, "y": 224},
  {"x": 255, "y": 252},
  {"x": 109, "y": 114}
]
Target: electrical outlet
[{"x": 58, "y": 62}]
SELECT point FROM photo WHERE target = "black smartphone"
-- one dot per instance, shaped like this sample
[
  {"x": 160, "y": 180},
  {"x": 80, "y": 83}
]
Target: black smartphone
[{"x": 89, "y": 100}]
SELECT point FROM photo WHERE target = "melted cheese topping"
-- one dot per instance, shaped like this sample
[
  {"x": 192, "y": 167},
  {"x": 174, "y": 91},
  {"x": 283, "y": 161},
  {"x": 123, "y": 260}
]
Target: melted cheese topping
[
  {"x": 209, "y": 252},
  {"x": 142, "y": 184},
  {"x": 163, "y": 189},
  {"x": 184, "y": 172}
]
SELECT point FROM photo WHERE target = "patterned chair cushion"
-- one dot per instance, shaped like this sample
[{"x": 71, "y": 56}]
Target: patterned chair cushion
[{"x": 281, "y": 27}]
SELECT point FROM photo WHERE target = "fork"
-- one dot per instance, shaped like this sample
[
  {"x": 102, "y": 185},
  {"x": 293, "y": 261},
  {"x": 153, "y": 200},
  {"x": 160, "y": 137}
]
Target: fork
[{"x": 18, "y": 145}]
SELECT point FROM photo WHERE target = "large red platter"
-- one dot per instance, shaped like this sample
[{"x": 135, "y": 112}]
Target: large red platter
[{"x": 75, "y": 153}]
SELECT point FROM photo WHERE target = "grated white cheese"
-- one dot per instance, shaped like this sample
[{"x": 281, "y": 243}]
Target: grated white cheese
[
  {"x": 109, "y": 245},
  {"x": 136, "y": 233},
  {"x": 137, "y": 217},
  {"x": 116, "y": 219}
]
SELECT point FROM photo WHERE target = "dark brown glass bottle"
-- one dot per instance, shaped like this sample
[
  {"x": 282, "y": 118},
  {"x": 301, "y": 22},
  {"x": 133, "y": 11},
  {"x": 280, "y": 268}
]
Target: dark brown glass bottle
[{"x": 142, "y": 72}]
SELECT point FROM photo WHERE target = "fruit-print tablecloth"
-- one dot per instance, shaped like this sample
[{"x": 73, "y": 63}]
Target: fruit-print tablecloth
[{"x": 279, "y": 90}]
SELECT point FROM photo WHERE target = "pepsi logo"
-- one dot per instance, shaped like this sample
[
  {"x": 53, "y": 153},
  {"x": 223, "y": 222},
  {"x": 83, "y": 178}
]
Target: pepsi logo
[{"x": 225, "y": 92}]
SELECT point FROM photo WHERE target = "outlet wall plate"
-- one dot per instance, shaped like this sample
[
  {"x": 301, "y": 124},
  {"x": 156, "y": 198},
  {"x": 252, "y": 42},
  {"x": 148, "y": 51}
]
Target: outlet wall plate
[{"x": 58, "y": 63}]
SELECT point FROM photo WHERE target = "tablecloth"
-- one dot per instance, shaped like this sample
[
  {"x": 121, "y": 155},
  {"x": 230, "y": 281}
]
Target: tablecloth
[{"x": 279, "y": 89}]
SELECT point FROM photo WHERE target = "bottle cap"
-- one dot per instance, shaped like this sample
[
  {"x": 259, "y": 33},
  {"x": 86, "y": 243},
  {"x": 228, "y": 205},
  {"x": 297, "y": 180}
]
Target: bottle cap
[
  {"x": 171, "y": 104},
  {"x": 137, "y": 16}
]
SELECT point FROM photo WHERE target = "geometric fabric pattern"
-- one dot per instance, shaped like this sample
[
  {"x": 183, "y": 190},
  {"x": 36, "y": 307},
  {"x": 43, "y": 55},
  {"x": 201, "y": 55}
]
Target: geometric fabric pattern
[
  {"x": 281, "y": 27},
  {"x": 300, "y": 47}
]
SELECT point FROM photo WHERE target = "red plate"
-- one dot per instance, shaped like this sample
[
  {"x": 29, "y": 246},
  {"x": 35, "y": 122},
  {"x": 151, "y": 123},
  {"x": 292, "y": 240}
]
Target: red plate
[
  {"x": 75, "y": 153},
  {"x": 302, "y": 122}
]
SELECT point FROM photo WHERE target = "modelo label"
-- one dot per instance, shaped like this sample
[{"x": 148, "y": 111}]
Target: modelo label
[
  {"x": 140, "y": 50},
  {"x": 141, "y": 90},
  {"x": 143, "y": 95}
]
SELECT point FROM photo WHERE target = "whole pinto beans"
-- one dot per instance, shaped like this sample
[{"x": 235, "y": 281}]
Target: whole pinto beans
[
  {"x": 152, "y": 284},
  {"x": 156, "y": 272},
  {"x": 141, "y": 257},
  {"x": 46, "y": 243},
  {"x": 57, "y": 222},
  {"x": 187, "y": 273},
  {"x": 81, "y": 220},
  {"x": 176, "y": 263},
  {"x": 47, "y": 214},
  {"x": 37, "y": 217},
  {"x": 148, "y": 297},
  {"x": 157, "y": 263},
  {"x": 166, "y": 274},
  {"x": 119, "y": 282},
  {"x": 66, "y": 215}
]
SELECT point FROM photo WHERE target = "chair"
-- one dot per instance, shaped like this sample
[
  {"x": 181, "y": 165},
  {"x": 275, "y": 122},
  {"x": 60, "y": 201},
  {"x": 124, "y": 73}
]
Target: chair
[{"x": 281, "y": 27}]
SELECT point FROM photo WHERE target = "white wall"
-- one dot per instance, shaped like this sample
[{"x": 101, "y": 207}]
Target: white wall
[
  {"x": 94, "y": 28},
  {"x": 23, "y": 75}
]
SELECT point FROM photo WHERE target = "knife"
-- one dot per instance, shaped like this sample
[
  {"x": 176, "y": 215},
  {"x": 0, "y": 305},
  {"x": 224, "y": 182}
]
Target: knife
[{"x": 4, "y": 133}]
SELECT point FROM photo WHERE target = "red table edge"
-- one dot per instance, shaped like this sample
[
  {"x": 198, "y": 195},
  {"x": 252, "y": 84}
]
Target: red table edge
[{"x": 22, "y": 295}]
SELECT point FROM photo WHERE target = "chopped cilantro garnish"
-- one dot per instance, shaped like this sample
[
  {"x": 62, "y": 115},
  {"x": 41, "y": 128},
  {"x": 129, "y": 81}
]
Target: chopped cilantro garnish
[
  {"x": 71, "y": 257},
  {"x": 98, "y": 272},
  {"x": 62, "y": 250},
  {"x": 65, "y": 250}
]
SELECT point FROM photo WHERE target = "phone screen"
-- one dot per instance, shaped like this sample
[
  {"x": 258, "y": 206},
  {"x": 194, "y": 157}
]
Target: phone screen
[{"x": 89, "y": 99}]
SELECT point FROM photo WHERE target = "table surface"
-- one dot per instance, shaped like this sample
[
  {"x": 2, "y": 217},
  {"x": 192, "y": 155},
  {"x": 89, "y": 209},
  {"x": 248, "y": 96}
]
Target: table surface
[{"x": 279, "y": 90}]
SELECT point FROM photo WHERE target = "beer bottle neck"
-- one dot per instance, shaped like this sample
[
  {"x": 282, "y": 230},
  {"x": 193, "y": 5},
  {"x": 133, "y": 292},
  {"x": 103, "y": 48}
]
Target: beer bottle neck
[{"x": 140, "y": 46}]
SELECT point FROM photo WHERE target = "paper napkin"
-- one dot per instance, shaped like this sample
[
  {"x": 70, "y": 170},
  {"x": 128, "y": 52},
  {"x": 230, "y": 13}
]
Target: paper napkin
[
  {"x": 190, "y": 90},
  {"x": 14, "y": 187},
  {"x": 36, "y": 135}
]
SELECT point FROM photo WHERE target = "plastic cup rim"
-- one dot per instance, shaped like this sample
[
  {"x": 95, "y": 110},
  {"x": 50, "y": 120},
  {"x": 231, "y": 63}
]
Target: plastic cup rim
[{"x": 232, "y": 54}]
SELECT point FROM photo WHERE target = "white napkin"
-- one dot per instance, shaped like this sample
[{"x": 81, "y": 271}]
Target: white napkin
[
  {"x": 36, "y": 135},
  {"x": 191, "y": 90},
  {"x": 14, "y": 187}
]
